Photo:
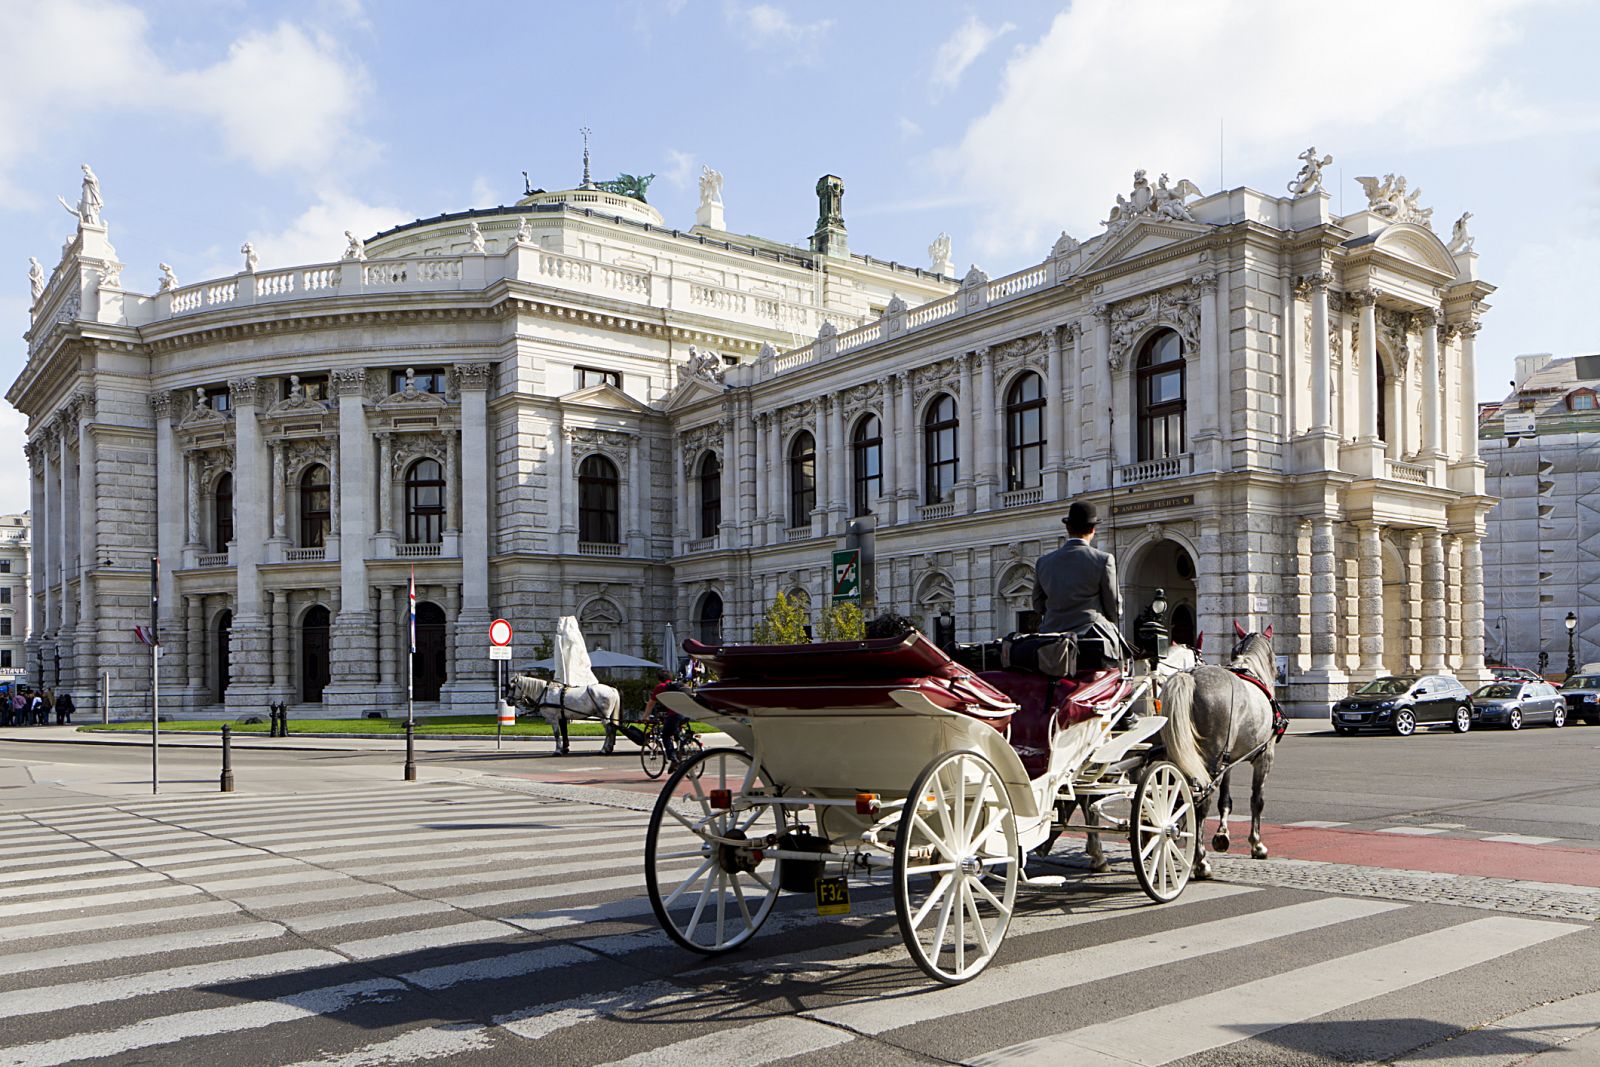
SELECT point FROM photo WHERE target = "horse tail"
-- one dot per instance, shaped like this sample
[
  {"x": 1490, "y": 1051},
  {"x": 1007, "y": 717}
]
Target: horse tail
[{"x": 1183, "y": 747}]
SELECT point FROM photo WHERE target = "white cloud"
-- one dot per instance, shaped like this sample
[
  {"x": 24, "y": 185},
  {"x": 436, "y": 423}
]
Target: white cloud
[
  {"x": 767, "y": 27},
  {"x": 317, "y": 234},
  {"x": 909, "y": 130},
  {"x": 284, "y": 99},
  {"x": 1070, "y": 125},
  {"x": 680, "y": 169},
  {"x": 961, "y": 49},
  {"x": 485, "y": 193}
]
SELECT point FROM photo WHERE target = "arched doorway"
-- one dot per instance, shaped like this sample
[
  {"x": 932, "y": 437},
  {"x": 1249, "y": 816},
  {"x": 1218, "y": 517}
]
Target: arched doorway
[
  {"x": 224, "y": 633},
  {"x": 431, "y": 662},
  {"x": 1397, "y": 615},
  {"x": 1164, "y": 565},
  {"x": 314, "y": 655},
  {"x": 708, "y": 620}
]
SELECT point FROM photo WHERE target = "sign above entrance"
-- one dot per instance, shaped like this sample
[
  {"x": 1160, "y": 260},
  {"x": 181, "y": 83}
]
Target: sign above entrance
[
  {"x": 500, "y": 632},
  {"x": 1156, "y": 504}
]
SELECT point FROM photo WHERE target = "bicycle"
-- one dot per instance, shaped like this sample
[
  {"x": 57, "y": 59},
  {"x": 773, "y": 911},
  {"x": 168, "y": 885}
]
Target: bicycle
[{"x": 653, "y": 753}]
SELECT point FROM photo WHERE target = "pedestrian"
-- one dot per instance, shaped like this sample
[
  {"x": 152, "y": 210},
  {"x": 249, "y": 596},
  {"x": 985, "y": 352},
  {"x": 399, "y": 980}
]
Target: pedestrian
[
  {"x": 64, "y": 709},
  {"x": 36, "y": 709},
  {"x": 49, "y": 706},
  {"x": 19, "y": 705}
]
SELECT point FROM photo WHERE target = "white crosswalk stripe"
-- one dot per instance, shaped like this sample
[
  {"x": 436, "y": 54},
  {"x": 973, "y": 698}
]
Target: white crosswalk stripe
[{"x": 297, "y": 913}]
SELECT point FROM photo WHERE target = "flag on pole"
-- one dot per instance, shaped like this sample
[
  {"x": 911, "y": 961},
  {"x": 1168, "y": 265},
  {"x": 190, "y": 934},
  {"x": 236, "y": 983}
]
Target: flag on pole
[{"x": 413, "y": 597}]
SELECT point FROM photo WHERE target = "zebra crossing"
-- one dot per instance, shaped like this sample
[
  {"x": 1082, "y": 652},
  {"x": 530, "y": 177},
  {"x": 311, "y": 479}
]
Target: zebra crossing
[{"x": 459, "y": 923}]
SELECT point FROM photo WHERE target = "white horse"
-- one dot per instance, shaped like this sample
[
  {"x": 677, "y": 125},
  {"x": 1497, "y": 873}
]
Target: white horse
[{"x": 557, "y": 702}]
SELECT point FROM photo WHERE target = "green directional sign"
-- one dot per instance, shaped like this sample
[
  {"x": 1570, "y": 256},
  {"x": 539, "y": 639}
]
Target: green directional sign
[{"x": 847, "y": 574}]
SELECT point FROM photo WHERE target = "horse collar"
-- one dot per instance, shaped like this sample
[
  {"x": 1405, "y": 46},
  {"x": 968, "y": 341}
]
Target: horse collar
[{"x": 1248, "y": 675}]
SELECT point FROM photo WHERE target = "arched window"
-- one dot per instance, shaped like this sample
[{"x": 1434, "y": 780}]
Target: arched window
[
  {"x": 424, "y": 503},
  {"x": 316, "y": 512},
  {"x": 1383, "y": 402},
  {"x": 802, "y": 479},
  {"x": 222, "y": 514},
  {"x": 940, "y": 462},
  {"x": 1160, "y": 373},
  {"x": 710, "y": 494},
  {"x": 866, "y": 459},
  {"x": 709, "y": 619},
  {"x": 1025, "y": 432},
  {"x": 597, "y": 501}
]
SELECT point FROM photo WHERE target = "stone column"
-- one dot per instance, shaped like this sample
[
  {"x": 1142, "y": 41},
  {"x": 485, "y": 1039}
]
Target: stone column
[
  {"x": 1433, "y": 600},
  {"x": 280, "y": 648},
  {"x": 1428, "y": 323},
  {"x": 1210, "y": 616},
  {"x": 888, "y": 456},
  {"x": 280, "y": 494},
  {"x": 906, "y": 489},
  {"x": 458, "y": 647},
  {"x": 1055, "y": 418},
  {"x": 646, "y": 493},
  {"x": 473, "y": 682},
  {"x": 335, "y": 498},
  {"x": 728, "y": 529},
  {"x": 1371, "y": 593},
  {"x": 352, "y": 653},
  {"x": 89, "y": 548},
  {"x": 69, "y": 514},
  {"x": 1469, "y": 407},
  {"x": 389, "y": 640},
  {"x": 34, "y": 451},
  {"x": 169, "y": 520},
  {"x": 385, "y": 479},
  {"x": 453, "y": 474},
  {"x": 761, "y": 528},
  {"x": 635, "y": 490},
  {"x": 1072, "y": 369},
  {"x": 1366, "y": 301},
  {"x": 1324, "y": 599},
  {"x": 1452, "y": 585},
  {"x": 838, "y": 478},
  {"x": 680, "y": 497},
  {"x": 192, "y": 475},
  {"x": 1472, "y": 672},
  {"x": 45, "y": 539},
  {"x": 194, "y": 645},
  {"x": 569, "y": 486},
  {"x": 1321, "y": 364},
  {"x": 966, "y": 434},
  {"x": 1103, "y": 399},
  {"x": 774, "y": 475},
  {"x": 819, "y": 437},
  {"x": 58, "y": 524},
  {"x": 249, "y": 645},
  {"x": 1208, "y": 366},
  {"x": 988, "y": 479}
]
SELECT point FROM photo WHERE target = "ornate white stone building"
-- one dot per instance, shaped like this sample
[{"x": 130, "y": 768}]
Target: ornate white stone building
[
  {"x": 15, "y": 547},
  {"x": 563, "y": 408}
]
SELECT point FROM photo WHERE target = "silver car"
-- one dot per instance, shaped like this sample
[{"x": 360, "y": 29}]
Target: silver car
[{"x": 1515, "y": 703}]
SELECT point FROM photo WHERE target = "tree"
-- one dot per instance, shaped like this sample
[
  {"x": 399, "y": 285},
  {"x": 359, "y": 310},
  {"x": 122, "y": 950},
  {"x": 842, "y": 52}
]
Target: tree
[
  {"x": 784, "y": 624},
  {"x": 842, "y": 621}
]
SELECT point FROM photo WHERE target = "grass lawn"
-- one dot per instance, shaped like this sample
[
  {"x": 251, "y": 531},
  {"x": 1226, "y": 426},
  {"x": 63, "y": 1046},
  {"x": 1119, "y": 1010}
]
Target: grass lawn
[{"x": 433, "y": 724}]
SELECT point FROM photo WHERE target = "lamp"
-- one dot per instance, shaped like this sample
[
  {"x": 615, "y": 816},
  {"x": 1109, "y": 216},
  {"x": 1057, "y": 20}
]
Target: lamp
[
  {"x": 1159, "y": 604},
  {"x": 1572, "y": 660}
]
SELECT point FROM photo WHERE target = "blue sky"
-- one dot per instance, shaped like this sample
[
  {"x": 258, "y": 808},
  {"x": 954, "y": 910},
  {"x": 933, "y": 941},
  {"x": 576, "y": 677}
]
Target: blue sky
[{"x": 287, "y": 123}]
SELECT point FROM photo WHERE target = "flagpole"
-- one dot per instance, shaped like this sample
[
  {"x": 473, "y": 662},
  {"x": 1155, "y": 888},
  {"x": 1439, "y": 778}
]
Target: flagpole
[{"x": 411, "y": 657}]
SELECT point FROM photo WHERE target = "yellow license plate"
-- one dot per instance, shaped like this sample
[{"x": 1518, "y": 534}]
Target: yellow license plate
[{"x": 833, "y": 896}]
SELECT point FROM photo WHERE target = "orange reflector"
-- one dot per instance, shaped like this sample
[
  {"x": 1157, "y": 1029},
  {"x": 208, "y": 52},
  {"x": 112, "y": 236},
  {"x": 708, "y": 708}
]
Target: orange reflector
[
  {"x": 1158, "y": 705},
  {"x": 722, "y": 798},
  {"x": 866, "y": 803},
  {"x": 508, "y": 715},
  {"x": 756, "y": 855}
]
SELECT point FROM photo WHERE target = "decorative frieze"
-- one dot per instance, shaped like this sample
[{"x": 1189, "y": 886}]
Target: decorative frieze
[
  {"x": 941, "y": 377},
  {"x": 1176, "y": 307}
]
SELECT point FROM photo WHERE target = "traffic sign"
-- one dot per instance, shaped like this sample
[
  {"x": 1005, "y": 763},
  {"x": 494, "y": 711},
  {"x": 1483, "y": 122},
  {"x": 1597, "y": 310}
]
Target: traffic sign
[
  {"x": 500, "y": 632},
  {"x": 847, "y": 574},
  {"x": 499, "y": 652}
]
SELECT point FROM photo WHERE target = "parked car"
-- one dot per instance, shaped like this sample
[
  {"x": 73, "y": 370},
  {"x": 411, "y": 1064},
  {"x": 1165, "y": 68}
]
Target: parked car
[
  {"x": 1513, "y": 703},
  {"x": 1514, "y": 674},
  {"x": 1582, "y": 693},
  {"x": 1401, "y": 703}
]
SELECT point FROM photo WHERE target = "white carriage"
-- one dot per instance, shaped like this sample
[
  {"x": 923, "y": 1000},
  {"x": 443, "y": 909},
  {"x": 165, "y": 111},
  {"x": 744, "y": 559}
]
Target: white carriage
[{"x": 859, "y": 756}]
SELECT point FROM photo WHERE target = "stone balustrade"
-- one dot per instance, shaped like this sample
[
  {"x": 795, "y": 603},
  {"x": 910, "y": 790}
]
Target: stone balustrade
[
  {"x": 1154, "y": 470},
  {"x": 598, "y": 548},
  {"x": 1414, "y": 473},
  {"x": 418, "y": 551}
]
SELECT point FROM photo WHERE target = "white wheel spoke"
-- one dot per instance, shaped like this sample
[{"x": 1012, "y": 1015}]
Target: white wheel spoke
[
  {"x": 931, "y": 868},
  {"x": 762, "y": 882},
  {"x": 685, "y": 854},
  {"x": 712, "y": 878},
  {"x": 934, "y": 897},
  {"x": 944, "y": 922},
  {"x": 693, "y": 828},
  {"x": 744, "y": 908},
  {"x": 961, "y": 927},
  {"x": 1150, "y": 842},
  {"x": 970, "y": 818},
  {"x": 693, "y": 878},
  {"x": 722, "y": 903},
  {"x": 944, "y": 847},
  {"x": 992, "y": 899}
]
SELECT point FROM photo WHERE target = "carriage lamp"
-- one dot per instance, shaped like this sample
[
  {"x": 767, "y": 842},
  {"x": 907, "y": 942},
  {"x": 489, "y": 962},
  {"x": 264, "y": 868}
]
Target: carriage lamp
[
  {"x": 1159, "y": 604},
  {"x": 721, "y": 799}
]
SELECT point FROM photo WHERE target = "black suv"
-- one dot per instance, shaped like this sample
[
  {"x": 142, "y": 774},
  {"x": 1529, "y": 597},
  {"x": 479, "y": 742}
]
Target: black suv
[
  {"x": 1402, "y": 703},
  {"x": 1582, "y": 693}
]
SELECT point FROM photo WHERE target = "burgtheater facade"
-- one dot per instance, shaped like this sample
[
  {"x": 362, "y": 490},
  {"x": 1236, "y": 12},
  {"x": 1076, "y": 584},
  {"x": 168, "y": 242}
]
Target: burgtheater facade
[{"x": 562, "y": 407}]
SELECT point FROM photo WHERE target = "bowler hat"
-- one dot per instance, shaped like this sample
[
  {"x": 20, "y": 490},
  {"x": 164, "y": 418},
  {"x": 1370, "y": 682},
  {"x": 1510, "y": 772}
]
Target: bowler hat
[{"x": 1082, "y": 516}]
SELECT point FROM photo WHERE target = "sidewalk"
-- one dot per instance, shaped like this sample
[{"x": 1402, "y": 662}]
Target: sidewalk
[{"x": 57, "y": 735}]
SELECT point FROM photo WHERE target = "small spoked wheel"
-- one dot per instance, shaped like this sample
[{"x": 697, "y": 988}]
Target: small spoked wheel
[
  {"x": 1463, "y": 720},
  {"x": 1559, "y": 718},
  {"x": 955, "y": 867},
  {"x": 1514, "y": 718},
  {"x": 710, "y": 890},
  {"x": 653, "y": 756},
  {"x": 1405, "y": 723},
  {"x": 1163, "y": 831}
]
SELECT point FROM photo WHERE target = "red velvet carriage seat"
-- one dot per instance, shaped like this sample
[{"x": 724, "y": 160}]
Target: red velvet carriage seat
[{"x": 1041, "y": 701}]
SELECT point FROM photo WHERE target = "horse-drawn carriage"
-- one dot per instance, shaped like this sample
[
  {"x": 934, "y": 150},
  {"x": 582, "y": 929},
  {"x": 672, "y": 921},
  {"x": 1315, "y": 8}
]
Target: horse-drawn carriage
[{"x": 862, "y": 756}]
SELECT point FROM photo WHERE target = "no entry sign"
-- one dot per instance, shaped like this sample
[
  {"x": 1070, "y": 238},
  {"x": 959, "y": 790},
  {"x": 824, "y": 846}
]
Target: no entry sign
[{"x": 499, "y": 632}]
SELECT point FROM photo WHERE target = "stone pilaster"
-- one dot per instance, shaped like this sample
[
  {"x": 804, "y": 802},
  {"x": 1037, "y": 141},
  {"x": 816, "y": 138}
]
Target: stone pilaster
[
  {"x": 1472, "y": 671},
  {"x": 1433, "y": 601},
  {"x": 1324, "y": 600},
  {"x": 988, "y": 408},
  {"x": 472, "y": 684},
  {"x": 966, "y": 435},
  {"x": 1371, "y": 604},
  {"x": 250, "y": 640},
  {"x": 352, "y": 649}
]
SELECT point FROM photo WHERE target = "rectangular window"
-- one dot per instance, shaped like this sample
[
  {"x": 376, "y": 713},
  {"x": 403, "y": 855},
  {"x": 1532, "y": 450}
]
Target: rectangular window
[
  {"x": 588, "y": 376},
  {"x": 5, "y": 566},
  {"x": 5, "y": 657},
  {"x": 422, "y": 379},
  {"x": 5, "y": 595},
  {"x": 312, "y": 387},
  {"x": 217, "y": 398},
  {"x": 5, "y": 627}
]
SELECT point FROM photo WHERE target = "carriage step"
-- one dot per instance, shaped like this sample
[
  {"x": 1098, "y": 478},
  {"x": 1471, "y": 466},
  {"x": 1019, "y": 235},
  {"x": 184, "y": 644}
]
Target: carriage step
[{"x": 1046, "y": 881}]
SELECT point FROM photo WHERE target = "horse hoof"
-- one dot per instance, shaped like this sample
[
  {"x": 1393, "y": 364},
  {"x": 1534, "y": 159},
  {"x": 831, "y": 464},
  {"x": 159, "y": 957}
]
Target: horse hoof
[
  {"x": 1220, "y": 843},
  {"x": 1202, "y": 873},
  {"x": 1258, "y": 852},
  {"x": 1099, "y": 866}
]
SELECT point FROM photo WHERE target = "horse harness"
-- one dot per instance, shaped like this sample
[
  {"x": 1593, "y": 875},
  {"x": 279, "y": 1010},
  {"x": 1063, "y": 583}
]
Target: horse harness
[
  {"x": 1280, "y": 721},
  {"x": 560, "y": 702}
]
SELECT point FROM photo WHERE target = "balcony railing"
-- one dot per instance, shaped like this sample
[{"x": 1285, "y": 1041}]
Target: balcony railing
[
  {"x": 417, "y": 551},
  {"x": 1414, "y": 473},
  {"x": 211, "y": 559},
  {"x": 1018, "y": 498},
  {"x": 937, "y": 511},
  {"x": 598, "y": 548},
  {"x": 702, "y": 544},
  {"x": 797, "y": 533},
  {"x": 306, "y": 555},
  {"x": 1154, "y": 470}
]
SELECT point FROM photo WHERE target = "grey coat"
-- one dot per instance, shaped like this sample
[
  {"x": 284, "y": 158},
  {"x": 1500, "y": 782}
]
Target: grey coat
[{"x": 1075, "y": 590}]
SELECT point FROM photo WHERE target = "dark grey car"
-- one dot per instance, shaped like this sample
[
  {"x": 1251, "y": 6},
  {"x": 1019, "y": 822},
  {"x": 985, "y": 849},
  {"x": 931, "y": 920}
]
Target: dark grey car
[
  {"x": 1516, "y": 703},
  {"x": 1582, "y": 693},
  {"x": 1401, "y": 703}
]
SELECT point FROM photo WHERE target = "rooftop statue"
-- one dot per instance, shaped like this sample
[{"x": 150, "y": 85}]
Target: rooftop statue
[
  {"x": 1389, "y": 199},
  {"x": 35, "y": 277},
  {"x": 830, "y": 201},
  {"x": 475, "y": 236},
  {"x": 632, "y": 185},
  {"x": 89, "y": 202},
  {"x": 356, "y": 249},
  {"x": 710, "y": 186},
  {"x": 250, "y": 257},
  {"x": 169, "y": 280},
  {"x": 1162, "y": 201},
  {"x": 111, "y": 276},
  {"x": 1309, "y": 180},
  {"x": 939, "y": 254},
  {"x": 1460, "y": 239},
  {"x": 524, "y": 231},
  {"x": 1065, "y": 245}
]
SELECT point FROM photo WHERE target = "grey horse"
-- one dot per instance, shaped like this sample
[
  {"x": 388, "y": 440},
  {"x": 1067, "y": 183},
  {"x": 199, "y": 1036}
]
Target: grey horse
[
  {"x": 557, "y": 703},
  {"x": 1216, "y": 717}
]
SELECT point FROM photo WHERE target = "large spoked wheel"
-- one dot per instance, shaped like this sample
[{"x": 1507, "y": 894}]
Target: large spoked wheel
[
  {"x": 653, "y": 756},
  {"x": 955, "y": 867},
  {"x": 711, "y": 892},
  {"x": 1163, "y": 831}
]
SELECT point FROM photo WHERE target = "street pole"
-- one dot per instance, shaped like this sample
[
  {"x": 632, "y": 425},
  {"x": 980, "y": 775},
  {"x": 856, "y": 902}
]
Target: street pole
[
  {"x": 227, "y": 759},
  {"x": 105, "y": 696},
  {"x": 155, "y": 677},
  {"x": 499, "y": 690}
]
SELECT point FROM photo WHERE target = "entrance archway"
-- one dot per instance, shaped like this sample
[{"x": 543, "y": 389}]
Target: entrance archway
[
  {"x": 224, "y": 633},
  {"x": 314, "y": 673},
  {"x": 430, "y": 666},
  {"x": 1164, "y": 565}
]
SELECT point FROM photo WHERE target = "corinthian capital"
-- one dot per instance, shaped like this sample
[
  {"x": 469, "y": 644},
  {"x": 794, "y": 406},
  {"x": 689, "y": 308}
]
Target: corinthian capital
[
  {"x": 1205, "y": 281},
  {"x": 161, "y": 403},
  {"x": 350, "y": 382},
  {"x": 474, "y": 375},
  {"x": 1315, "y": 282},
  {"x": 1362, "y": 297},
  {"x": 244, "y": 392}
]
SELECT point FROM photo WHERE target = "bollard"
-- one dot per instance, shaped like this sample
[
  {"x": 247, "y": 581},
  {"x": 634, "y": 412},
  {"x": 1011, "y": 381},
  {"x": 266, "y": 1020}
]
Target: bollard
[
  {"x": 411, "y": 754},
  {"x": 272, "y": 716},
  {"x": 227, "y": 758},
  {"x": 283, "y": 718}
]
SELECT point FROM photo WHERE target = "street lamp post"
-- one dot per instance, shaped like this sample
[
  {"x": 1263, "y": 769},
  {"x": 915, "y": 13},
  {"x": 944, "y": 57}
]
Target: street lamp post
[{"x": 1572, "y": 627}]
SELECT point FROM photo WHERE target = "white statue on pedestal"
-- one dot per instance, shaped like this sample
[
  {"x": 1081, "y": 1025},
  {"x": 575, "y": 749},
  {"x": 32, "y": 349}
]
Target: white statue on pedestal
[
  {"x": 169, "y": 280},
  {"x": 1309, "y": 180},
  {"x": 35, "y": 277},
  {"x": 475, "y": 236},
  {"x": 89, "y": 202},
  {"x": 356, "y": 249},
  {"x": 939, "y": 253},
  {"x": 709, "y": 213},
  {"x": 1460, "y": 239},
  {"x": 524, "y": 231},
  {"x": 250, "y": 257}
]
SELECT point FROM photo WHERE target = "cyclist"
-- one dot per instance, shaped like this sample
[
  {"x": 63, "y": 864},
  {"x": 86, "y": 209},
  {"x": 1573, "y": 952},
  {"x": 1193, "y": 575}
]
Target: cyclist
[{"x": 671, "y": 721}]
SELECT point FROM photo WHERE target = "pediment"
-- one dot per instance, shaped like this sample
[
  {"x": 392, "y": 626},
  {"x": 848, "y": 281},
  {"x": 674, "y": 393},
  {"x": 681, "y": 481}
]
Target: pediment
[
  {"x": 298, "y": 405},
  {"x": 692, "y": 391},
  {"x": 1416, "y": 244},
  {"x": 1139, "y": 237},
  {"x": 412, "y": 398},
  {"x": 605, "y": 395}
]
